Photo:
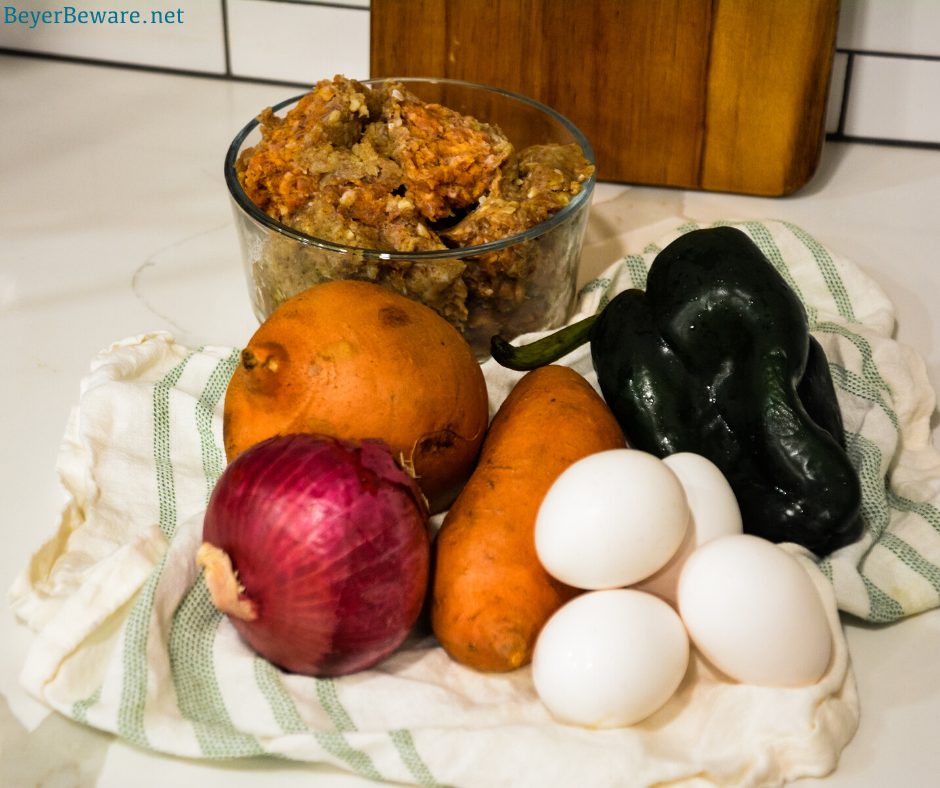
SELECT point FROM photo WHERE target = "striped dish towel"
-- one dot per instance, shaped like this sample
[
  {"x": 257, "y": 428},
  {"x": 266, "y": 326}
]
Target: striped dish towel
[{"x": 127, "y": 640}]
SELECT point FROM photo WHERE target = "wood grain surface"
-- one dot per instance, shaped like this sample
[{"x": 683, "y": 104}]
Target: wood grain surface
[{"x": 723, "y": 95}]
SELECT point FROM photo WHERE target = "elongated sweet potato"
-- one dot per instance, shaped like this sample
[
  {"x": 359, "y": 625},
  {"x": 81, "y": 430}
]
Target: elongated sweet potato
[{"x": 490, "y": 594}]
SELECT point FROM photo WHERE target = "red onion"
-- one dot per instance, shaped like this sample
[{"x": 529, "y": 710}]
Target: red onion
[{"x": 317, "y": 549}]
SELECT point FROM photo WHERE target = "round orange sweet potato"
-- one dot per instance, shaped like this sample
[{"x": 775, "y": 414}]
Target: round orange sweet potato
[{"x": 357, "y": 361}]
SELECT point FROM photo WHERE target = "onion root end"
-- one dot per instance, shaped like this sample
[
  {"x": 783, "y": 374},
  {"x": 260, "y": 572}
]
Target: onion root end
[{"x": 228, "y": 595}]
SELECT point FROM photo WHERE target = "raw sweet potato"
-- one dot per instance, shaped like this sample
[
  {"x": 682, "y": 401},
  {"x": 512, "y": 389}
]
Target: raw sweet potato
[
  {"x": 490, "y": 594},
  {"x": 355, "y": 361}
]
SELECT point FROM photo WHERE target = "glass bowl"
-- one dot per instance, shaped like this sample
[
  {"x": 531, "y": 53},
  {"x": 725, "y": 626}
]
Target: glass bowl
[{"x": 515, "y": 285}]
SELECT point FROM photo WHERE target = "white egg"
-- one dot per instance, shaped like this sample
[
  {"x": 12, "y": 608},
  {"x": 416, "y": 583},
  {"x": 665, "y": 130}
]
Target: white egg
[
  {"x": 715, "y": 513},
  {"x": 610, "y": 658},
  {"x": 753, "y": 611},
  {"x": 611, "y": 519}
]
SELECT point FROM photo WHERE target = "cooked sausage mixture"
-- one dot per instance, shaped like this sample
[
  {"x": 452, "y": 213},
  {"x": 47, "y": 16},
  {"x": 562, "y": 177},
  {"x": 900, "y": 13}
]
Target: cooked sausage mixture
[{"x": 381, "y": 169}]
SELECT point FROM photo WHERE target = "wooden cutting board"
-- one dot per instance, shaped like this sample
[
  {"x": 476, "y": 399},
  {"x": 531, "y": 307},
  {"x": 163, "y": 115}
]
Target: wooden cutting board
[{"x": 721, "y": 95}]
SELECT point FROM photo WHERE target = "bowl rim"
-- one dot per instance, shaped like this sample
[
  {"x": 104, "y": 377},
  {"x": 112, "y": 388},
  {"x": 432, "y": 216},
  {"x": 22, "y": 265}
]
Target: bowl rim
[{"x": 246, "y": 205}]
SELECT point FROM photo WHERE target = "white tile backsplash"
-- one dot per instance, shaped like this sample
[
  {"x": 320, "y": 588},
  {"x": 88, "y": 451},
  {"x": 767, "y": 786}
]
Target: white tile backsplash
[
  {"x": 887, "y": 99},
  {"x": 891, "y": 49},
  {"x": 892, "y": 96},
  {"x": 297, "y": 42},
  {"x": 348, "y": 3},
  {"x": 185, "y": 35},
  {"x": 901, "y": 26}
]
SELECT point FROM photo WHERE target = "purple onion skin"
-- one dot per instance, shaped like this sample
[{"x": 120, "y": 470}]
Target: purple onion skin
[{"x": 330, "y": 541}]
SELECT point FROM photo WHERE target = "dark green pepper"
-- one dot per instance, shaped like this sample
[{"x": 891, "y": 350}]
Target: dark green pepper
[{"x": 715, "y": 357}]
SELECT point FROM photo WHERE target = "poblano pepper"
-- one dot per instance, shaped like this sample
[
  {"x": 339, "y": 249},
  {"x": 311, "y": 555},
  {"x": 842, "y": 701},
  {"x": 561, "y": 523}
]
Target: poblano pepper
[{"x": 715, "y": 357}]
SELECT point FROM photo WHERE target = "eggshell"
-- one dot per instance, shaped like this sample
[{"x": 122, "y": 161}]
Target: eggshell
[
  {"x": 610, "y": 658},
  {"x": 715, "y": 513},
  {"x": 754, "y": 613},
  {"x": 611, "y": 519}
]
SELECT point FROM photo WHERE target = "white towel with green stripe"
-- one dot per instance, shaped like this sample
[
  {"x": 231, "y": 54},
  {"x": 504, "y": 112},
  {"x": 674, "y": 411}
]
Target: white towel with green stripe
[{"x": 127, "y": 640}]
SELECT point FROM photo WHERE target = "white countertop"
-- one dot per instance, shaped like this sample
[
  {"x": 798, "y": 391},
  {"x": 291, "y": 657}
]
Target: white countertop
[{"x": 115, "y": 221}]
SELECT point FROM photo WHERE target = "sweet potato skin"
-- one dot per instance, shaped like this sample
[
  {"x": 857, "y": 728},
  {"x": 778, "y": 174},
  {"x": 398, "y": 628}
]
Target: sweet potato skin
[
  {"x": 357, "y": 361},
  {"x": 490, "y": 594}
]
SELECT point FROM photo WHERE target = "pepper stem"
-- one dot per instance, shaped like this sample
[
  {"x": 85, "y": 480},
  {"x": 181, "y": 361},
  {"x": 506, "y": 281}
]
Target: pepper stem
[
  {"x": 543, "y": 351},
  {"x": 222, "y": 581}
]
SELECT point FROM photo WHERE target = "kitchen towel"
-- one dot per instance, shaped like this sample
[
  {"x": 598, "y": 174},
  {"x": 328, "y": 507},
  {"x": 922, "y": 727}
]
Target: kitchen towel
[{"x": 127, "y": 640}]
